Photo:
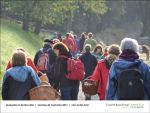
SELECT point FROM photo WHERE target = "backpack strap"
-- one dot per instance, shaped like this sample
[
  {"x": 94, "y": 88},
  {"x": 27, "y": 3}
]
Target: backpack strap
[
  {"x": 63, "y": 56},
  {"x": 42, "y": 50}
]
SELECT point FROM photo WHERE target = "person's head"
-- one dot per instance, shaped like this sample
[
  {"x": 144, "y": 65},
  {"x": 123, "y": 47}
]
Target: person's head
[
  {"x": 48, "y": 42},
  {"x": 87, "y": 48},
  {"x": 71, "y": 32},
  {"x": 110, "y": 58},
  {"x": 114, "y": 49},
  {"x": 18, "y": 58},
  {"x": 67, "y": 35},
  {"x": 21, "y": 49},
  {"x": 83, "y": 35},
  {"x": 71, "y": 36},
  {"x": 90, "y": 35},
  {"x": 129, "y": 44},
  {"x": 106, "y": 49},
  {"x": 98, "y": 49},
  {"x": 56, "y": 40},
  {"x": 59, "y": 36},
  {"x": 60, "y": 49}
]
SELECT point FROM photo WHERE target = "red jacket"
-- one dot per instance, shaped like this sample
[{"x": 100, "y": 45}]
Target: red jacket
[
  {"x": 69, "y": 43},
  {"x": 29, "y": 63},
  {"x": 100, "y": 75}
]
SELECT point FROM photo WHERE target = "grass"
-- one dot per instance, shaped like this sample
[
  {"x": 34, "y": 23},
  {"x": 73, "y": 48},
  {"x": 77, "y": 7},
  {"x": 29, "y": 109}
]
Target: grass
[{"x": 12, "y": 37}]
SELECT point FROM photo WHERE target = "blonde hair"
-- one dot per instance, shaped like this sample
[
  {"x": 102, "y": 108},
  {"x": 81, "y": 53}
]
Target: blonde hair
[{"x": 19, "y": 58}]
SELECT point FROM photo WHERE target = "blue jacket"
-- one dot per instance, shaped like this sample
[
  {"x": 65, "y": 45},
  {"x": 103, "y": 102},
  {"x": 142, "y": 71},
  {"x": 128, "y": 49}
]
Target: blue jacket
[
  {"x": 117, "y": 67},
  {"x": 18, "y": 81}
]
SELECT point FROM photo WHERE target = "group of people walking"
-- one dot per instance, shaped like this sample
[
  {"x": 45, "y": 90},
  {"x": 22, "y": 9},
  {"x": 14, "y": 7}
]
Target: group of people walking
[{"x": 118, "y": 71}]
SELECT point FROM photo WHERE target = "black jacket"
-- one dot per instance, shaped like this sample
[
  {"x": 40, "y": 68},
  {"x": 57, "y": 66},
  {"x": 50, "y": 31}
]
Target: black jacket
[
  {"x": 90, "y": 63},
  {"x": 81, "y": 43},
  {"x": 60, "y": 70},
  {"x": 52, "y": 58}
]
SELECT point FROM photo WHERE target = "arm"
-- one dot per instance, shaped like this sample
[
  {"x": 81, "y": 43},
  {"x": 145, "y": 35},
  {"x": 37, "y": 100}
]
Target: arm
[
  {"x": 96, "y": 74},
  {"x": 111, "y": 84},
  {"x": 146, "y": 71},
  {"x": 52, "y": 57},
  {"x": 95, "y": 61},
  {"x": 35, "y": 77},
  {"x": 30, "y": 63},
  {"x": 58, "y": 69},
  {"x": 36, "y": 58},
  {"x": 5, "y": 87}
]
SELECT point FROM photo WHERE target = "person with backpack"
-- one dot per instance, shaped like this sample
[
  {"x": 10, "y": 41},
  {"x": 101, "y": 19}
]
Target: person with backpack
[
  {"x": 19, "y": 79},
  {"x": 29, "y": 62},
  {"x": 98, "y": 52},
  {"x": 90, "y": 63},
  {"x": 68, "y": 88},
  {"x": 101, "y": 72},
  {"x": 45, "y": 58},
  {"x": 129, "y": 77}
]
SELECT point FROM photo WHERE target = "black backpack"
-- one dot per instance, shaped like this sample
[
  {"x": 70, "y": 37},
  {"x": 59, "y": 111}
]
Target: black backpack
[{"x": 130, "y": 85}]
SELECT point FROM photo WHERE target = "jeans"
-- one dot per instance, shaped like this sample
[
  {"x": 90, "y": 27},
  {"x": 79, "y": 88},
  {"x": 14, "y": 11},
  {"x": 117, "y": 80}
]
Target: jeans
[{"x": 69, "y": 93}]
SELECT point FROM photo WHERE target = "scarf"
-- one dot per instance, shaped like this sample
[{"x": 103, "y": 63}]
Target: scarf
[{"x": 128, "y": 54}]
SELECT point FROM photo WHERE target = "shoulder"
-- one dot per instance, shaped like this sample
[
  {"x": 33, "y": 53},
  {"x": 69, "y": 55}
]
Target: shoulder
[
  {"x": 143, "y": 66},
  {"x": 101, "y": 62}
]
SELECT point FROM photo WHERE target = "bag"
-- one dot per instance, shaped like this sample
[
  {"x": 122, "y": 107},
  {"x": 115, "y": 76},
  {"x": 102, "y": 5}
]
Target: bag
[
  {"x": 75, "y": 69},
  {"x": 89, "y": 87},
  {"x": 43, "y": 92},
  {"x": 43, "y": 61},
  {"x": 130, "y": 85},
  {"x": 43, "y": 77}
]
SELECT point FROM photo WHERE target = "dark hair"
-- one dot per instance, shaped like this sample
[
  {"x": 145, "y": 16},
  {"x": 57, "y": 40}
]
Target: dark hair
[
  {"x": 90, "y": 35},
  {"x": 63, "y": 49},
  {"x": 114, "y": 49},
  {"x": 21, "y": 49},
  {"x": 83, "y": 35},
  {"x": 98, "y": 46}
]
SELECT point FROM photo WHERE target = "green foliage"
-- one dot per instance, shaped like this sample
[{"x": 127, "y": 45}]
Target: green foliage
[
  {"x": 13, "y": 37},
  {"x": 95, "y": 6}
]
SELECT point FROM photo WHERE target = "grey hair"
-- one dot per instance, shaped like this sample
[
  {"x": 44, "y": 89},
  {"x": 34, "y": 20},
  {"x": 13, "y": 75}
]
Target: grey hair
[{"x": 129, "y": 43}]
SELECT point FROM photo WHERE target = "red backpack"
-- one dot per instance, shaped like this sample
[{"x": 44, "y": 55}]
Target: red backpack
[
  {"x": 75, "y": 69},
  {"x": 43, "y": 61}
]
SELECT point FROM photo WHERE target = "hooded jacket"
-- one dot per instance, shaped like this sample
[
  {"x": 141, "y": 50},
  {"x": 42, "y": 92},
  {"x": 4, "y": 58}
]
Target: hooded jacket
[
  {"x": 18, "y": 81},
  {"x": 120, "y": 65}
]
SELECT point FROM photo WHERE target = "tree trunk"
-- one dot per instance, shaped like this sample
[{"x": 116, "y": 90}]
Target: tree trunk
[
  {"x": 37, "y": 27},
  {"x": 25, "y": 25}
]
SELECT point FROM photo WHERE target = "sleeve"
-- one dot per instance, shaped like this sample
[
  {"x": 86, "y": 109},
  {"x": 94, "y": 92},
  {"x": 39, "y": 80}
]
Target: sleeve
[
  {"x": 35, "y": 77},
  {"x": 146, "y": 69},
  {"x": 72, "y": 44},
  {"x": 30, "y": 63},
  {"x": 52, "y": 57},
  {"x": 95, "y": 61},
  {"x": 8, "y": 65},
  {"x": 36, "y": 58},
  {"x": 5, "y": 87},
  {"x": 85, "y": 42},
  {"x": 58, "y": 69},
  {"x": 111, "y": 88},
  {"x": 96, "y": 74}
]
